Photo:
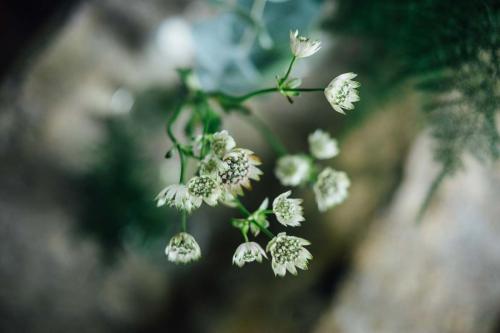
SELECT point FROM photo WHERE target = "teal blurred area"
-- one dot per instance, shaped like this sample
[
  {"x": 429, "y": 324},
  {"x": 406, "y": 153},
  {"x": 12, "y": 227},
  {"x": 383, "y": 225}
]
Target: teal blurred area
[{"x": 87, "y": 91}]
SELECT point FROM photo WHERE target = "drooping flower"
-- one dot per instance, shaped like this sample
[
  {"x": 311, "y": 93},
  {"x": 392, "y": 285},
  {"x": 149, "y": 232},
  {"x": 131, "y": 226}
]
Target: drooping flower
[
  {"x": 178, "y": 196},
  {"x": 241, "y": 168},
  {"x": 204, "y": 188},
  {"x": 183, "y": 248},
  {"x": 260, "y": 218},
  {"x": 248, "y": 252},
  {"x": 331, "y": 188},
  {"x": 288, "y": 212},
  {"x": 341, "y": 92},
  {"x": 222, "y": 143},
  {"x": 293, "y": 170},
  {"x": 288, "y": 252},
  {"x": 322, "y": 146},
  {"x": 302, "y": 46}
]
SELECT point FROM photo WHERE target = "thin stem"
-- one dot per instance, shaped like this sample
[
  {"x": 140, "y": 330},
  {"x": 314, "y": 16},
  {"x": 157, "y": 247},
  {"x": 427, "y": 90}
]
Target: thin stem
[
  {"x": 245, "y": 236},
  {"x": 263, "y": 229},
  {"x": 184, "y": 221},
  {"x": 430, "y": 193},
  {"x": 268, "y": 135},
  {"x": 171, "y": 135},
  {"x": 288, "y": 70},
  {"x": 245, "y": 211},
  {"x": 242, "y": 208},
  {"x": 242, "y": 98}
]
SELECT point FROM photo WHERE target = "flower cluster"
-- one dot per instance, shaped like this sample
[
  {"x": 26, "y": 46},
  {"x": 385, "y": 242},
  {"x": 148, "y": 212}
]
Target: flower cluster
[
  {"x": 330, "y": 186},
  {"x": 224, "y": 170}
]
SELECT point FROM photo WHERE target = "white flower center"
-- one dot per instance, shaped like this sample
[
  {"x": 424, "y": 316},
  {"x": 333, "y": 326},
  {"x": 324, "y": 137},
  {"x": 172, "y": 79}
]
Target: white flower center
[
  {"x": 237, "y": 171},
  {"x": 202, "y": 186},
  {"x": 286, "y": 250},
  {"x": 285, "y": 208}
]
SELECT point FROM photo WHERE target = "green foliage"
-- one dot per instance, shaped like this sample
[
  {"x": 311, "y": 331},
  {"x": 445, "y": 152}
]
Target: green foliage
[
  {"x": 118, "y": 199},
  {"x": 451, "y": 48}
]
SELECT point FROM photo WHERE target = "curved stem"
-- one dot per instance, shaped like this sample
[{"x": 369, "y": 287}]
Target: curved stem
[
  {"x": 176, "y": 143},
  {"x": 288, "y": 70}
]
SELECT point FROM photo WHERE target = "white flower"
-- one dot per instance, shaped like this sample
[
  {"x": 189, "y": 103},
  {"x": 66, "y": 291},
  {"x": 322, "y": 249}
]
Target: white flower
[
  {"x": 341, "y": 92},
  {"x": 260, "y": 217},
  {"x": 178, "y": 196},
  {"x": 222, "y": 143},
  {"x": 288, "y": 211},
  {"x": 331, "y": 188},
  {"x": 211, "y": 165},
  {"x": 241, "y": 167},
  {"x": 293, "y": 170},
  {"x": 183, "y": 248},
  {"x": 301, "y": 46},
  {"x": 287, "y": 253},
  {"x": 204, "y": 188},
  {"x": 322, "y": 146},
  {"x": 248, "y": 252}
]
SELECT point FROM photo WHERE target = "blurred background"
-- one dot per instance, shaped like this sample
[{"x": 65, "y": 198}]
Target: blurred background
[{"x": 85, "y": 91}]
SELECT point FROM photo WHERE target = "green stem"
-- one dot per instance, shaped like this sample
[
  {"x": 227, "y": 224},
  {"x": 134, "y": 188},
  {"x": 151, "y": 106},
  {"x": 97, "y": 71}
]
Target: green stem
[
  {"x": 288, "y": 70},
  {"x": 242, "y": 98},
  {"x": 245, "y": 236},
  {"x": 176, "y": 143},
  {"x": 263, "y": 229},
  {"x": 242, "y": 208},
  {"x": 184, "y": 221},
  {"x": 431, "y": 191},
  {"x": 246, "y": 212},
  {"x": 268, "y": 135}
]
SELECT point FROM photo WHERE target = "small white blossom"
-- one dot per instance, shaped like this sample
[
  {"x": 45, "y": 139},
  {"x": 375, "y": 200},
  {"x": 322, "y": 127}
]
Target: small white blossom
[
  {"x": 289, "y": 212},
  {"x": 222, "y": 143},
  {"x": 260, "y": 217},
  {"x": 341, "y": 92},
  {"x": 241, "y": 168},
  {"x": 322, "y": 146},
  {"x": 287, "y": 253},
  {"x": 293, "y": 170},
  {"x": 248, "y": 252},
  {"x": 301, "y": 46},
  {"x": 331, "y": 188},
  {"x": 204, "y": 188},
  {"x": 183, "y": 248},
  {"x": 178, "y": 196},
  {"x": 211, "y": 165}
]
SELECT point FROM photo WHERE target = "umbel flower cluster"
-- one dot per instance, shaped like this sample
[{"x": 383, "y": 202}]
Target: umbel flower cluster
[{"x": 224, "y": 171}]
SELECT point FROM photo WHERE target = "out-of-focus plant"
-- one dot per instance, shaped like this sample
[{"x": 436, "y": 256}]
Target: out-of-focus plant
[
  {"x": 223, "y": 169},
  {"x": 451, "y": 48}
]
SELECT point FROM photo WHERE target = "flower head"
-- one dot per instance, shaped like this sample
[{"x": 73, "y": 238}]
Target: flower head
[
  {"x": 331, "y": 188},
  {"x": 322, "y": 146},
  {"x": 301, "y": 46},
  {"x": 341, "y": 92},
  {"x": 183, "y": 248},
  {"x": 204, "y": 188},
  {"x": 293, "y": 170},
  {"x": 178, "y": 196},
  {"x": 287, "y": 253},
  {"x": 248, "y": 252},
  {"x": 241, "y": 167},
  {"x": 288, "y": 211},
  {"x": 222, "y": 143}
]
